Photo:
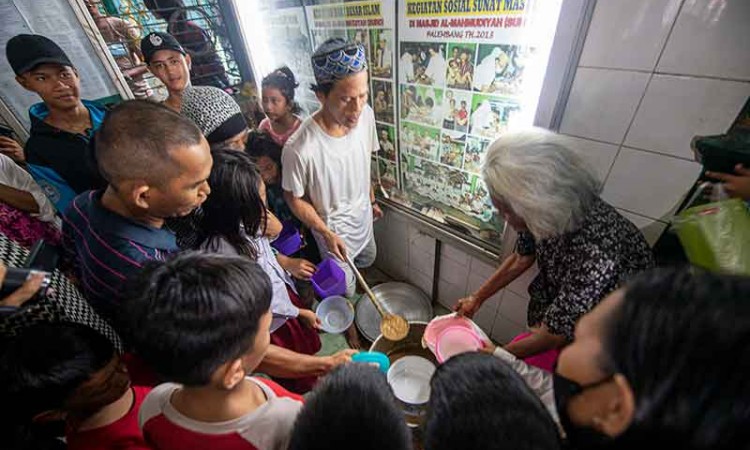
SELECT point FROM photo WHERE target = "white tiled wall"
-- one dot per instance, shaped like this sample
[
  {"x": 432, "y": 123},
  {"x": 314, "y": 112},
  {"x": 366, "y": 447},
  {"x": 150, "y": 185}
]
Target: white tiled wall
[
  {"x": 602, "y": 103},
  {"x": 709, "y": 39},
  {"x": 653, "y": 73},
  {"x": 639, "y": 28}
]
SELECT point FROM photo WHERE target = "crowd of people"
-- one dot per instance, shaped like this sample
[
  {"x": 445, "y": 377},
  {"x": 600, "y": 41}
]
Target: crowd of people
[{"x": 172, "y": 322}]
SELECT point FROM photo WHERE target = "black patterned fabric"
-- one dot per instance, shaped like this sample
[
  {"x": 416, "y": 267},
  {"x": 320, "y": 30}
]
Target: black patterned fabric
[
  {"x": 525, "y": 245},
  {"x": 62, "y": 302},
  {"x": 185, "y": 229},
  {"x": 579, "y": 269}
]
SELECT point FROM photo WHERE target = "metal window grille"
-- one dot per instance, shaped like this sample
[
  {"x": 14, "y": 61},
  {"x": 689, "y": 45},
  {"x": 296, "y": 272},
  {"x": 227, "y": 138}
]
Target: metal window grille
[{"x": 199, "y": 25}]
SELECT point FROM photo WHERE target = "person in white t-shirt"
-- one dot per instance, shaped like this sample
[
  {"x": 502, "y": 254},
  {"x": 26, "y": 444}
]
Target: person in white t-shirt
[{"x": 326, "y": 162}]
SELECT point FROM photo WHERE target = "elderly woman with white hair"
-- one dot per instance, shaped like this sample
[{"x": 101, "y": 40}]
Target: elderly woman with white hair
[{"x": 584, "y": 248}]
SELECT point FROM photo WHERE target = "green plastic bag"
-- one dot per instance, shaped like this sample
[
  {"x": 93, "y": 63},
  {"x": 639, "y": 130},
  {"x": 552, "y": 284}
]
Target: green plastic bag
[{"x": 716, "y": 236}]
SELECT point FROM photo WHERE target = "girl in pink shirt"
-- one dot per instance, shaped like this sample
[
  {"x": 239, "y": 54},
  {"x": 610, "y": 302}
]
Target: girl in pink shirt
[{"x": 278, "y": 103}]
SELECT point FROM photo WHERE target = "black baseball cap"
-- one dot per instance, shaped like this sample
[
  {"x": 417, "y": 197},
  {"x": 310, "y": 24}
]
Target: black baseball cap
[
  {"x": 159, "y": 41},
  {"x": 26, "y": 51}
]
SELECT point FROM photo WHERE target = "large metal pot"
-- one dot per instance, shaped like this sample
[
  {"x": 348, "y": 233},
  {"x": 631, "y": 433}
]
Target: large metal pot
[
  {"x": 397, "y": 298},
  {"x": 409, "y": 346}
]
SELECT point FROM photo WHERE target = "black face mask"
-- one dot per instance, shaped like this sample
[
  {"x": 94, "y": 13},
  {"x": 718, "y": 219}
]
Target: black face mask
[{"x": 578, "y": 437}]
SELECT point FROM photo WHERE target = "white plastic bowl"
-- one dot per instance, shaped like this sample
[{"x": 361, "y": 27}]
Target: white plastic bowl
[
  {"x": 409, "y": 378},
  {"x": 336, "y": 314}
]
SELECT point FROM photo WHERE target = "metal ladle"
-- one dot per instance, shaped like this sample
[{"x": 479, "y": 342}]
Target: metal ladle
[{"x": 392, "y": 326}]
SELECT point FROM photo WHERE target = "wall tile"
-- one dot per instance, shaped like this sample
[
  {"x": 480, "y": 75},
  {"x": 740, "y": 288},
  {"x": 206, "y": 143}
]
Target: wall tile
[
  {"x": 521, "y": 284},
  {"x": 649, "y": 184},
  {"x": 381, "y": 234},
  {"x": 503, "y": 330},
  {"x": 710, "y": 38},
  {"x": 480, "y": 272},
  {"x": 420, "y": 240},
  {"x": 602, "y": 103},
  {"x": 628, "y": 34},
  {"x": 675, "y": 109},
  {"x": 651, "y": 229},
  {"x": 481, "y": 268},
  {"x": 421, "y": 261},
  {"x": 599, "y": 155},
  {"x": 420, "y": 280},
  {"x": 453, "y": 272},
  {"x": 455, "y": 254},
  {"x": 396, "y": 268},
  {"x": 513, "y": 307},
  {"x": 397, "y": 239},
  {"x": 449, "y": 293},
  {"x": 485, "y": 317}
]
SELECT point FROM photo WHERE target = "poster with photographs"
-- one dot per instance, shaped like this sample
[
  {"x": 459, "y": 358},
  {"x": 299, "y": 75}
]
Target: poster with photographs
[
  {"x": 462, "y": 72},
  {"x": 372, "y": 24},
  {"x": 490, "y": 115},
  {"x": 381, "y": 53},
  {"x": 474, "y": 156},
  {"x": 452, "y": 147},
  {"x": 387, "y": 141},
  {"x": 500, "y": 68},
  {"x": 420, "y": 140},
  {"x": 382, "y": 100}
]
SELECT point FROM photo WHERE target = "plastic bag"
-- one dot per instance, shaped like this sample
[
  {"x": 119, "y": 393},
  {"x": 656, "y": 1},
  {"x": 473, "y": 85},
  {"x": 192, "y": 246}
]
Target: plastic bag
[{"x": 716, "y": 236}]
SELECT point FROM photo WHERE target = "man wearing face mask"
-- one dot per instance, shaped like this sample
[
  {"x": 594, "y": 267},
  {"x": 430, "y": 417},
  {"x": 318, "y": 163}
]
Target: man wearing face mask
[
  {"x": 661, "y": 361},
  {"x": 69, "y": 372}
]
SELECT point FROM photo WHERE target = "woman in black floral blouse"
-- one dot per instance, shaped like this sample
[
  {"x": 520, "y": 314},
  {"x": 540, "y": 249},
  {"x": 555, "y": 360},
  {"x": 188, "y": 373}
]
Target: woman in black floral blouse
[{"x": 583, "y": 247}]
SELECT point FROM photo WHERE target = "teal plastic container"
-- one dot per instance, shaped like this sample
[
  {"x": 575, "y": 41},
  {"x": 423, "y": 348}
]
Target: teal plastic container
[{"x": 375, "y": 358}]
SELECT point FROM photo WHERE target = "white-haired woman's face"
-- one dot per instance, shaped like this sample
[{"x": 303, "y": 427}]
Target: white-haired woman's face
[{"x": 511, "y": 218}]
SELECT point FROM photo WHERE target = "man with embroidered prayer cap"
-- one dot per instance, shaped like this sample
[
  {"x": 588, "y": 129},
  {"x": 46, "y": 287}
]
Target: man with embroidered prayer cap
[{"x": 326, "y": 162}]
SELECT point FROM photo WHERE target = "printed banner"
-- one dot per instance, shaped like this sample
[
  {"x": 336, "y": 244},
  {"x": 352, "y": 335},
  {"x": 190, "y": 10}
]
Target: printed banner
[{"x": 463, "y": 69}]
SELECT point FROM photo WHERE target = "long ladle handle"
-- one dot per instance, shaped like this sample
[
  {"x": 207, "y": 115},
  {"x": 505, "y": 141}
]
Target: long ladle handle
[{"x": 364, "y": 285}]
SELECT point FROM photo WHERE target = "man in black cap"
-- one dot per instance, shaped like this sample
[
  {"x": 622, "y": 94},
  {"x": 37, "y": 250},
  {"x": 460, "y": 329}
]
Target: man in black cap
[
  {"x": 207, "y": 68},
  {"x": 169, "y": 62},
  {"x": 62, "y": 124}
]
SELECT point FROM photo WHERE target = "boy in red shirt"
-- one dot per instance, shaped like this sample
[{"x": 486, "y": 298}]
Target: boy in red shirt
[
  {"x": 202, "y": 320},
  {"x": 67, "y": 371}
]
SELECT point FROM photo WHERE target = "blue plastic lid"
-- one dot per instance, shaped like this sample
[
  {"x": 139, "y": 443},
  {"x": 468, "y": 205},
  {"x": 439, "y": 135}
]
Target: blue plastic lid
[{"x": 375, "y": 358}]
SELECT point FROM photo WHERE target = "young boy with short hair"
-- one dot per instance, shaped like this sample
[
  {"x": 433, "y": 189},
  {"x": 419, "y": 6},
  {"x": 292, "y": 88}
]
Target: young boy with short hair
[
  {"x": 479, "y": 402},
  {"x": 202, "y": 320},
  {"x": 157, "y": 164},
  {"x": 62, "y": 124},
  {"x": 355, "y": 408},
  {"x": 69, "y": 372}
]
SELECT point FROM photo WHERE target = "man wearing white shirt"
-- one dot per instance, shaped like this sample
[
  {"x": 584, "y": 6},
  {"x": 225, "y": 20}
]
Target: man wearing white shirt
[{"x": 326, "y": 162}]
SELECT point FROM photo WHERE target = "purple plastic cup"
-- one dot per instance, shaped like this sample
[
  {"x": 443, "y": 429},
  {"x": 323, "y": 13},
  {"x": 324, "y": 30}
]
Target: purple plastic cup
[
  {"x": 289, "y": 240},
  {"x": 329, "y": 279}
]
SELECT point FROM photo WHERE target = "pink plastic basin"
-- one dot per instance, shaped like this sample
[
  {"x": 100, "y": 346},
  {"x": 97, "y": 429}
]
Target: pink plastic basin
[{"x": 454, "y": 340}]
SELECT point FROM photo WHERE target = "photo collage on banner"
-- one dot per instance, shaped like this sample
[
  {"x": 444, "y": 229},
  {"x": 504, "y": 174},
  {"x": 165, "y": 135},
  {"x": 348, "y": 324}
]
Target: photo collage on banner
[
  {"x": 460, "y": 79},
  {"x": 372, "y": 24}
]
